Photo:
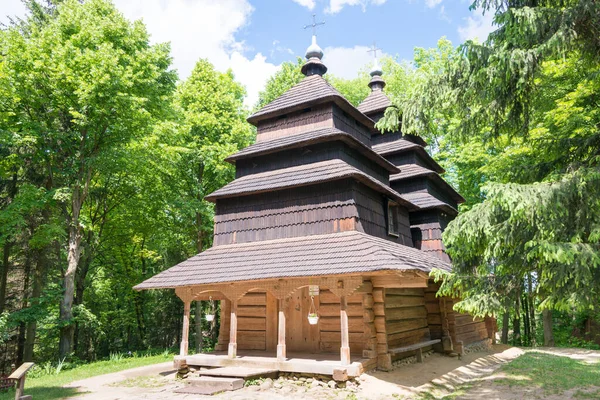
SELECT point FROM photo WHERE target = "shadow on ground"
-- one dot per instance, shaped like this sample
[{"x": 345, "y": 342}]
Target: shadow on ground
[
  {"x": 437, "y": 366},
  {"x": 42, "y": 392}
]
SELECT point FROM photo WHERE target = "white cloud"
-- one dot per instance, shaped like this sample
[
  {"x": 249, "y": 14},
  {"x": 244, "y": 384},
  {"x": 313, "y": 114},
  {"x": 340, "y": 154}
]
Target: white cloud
[
  {"x": 196, "y": 29},
  {"x": 336, "y": 6},
  {"x": 345, "y": 62},
  {"x": 310, "y": 4},
  {"x": 203, "y": 29},
  {"x": 252, "y": 73},
  {"x": 478, "y": 26},
  {"x": 432, "y": 3}
]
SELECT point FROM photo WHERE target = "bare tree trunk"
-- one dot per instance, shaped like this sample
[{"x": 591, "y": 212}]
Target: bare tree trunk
[
  {"x": 24, "y": 304},
  {"x": 532, "y": 310},
  {"x": 4, "y": 274},
  {"x": 12, "y": 192},
  {"x": 548, "y": 333},
  {"x": 517, "y": 323},
  {"x": 198, "y": 323},
  {"x": 526, "y": 324},
  {"x": 505, "y": 322},
  {"x": 67, "y": 330},
  {"x": 85, "y": 261},
  {"x": 41, "y": 264}
]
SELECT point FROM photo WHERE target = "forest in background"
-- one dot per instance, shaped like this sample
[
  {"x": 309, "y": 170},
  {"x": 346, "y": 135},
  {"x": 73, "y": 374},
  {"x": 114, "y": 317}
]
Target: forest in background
[{"x": 105, "y": 158}]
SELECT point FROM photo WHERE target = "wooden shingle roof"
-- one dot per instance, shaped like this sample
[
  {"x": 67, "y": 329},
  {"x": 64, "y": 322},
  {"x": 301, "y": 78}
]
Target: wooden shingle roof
[
  {"x": 309, "y": 138},
  {"x": 311, "y": 91},
  {"x": 400, "y": 146},
  {"x": 397, "y": 146},
  {"x": 376, "y": 101},
  {"x": 410, "y": 171},
  {"x": 427, "y": 201},
  {"x": 318, "y": 255},
  {"x": 303, "y": 175}
]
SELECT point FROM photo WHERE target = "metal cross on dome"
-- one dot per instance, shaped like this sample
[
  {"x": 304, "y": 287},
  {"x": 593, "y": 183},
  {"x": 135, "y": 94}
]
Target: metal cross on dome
[
  {"x": 373, "y": 50},
  {"x": 314, "y": 25}
]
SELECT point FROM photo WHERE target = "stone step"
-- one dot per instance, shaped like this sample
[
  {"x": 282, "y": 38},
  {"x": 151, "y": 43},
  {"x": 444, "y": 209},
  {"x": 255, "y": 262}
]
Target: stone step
[
  {"x": 240, "y": 372},
  {"x": 198, "y": 390},
  {"x": 216, "y": 382}
]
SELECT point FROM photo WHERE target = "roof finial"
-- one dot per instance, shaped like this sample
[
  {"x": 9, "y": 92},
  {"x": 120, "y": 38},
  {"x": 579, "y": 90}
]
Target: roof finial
[
  {"x": 314, "y": 54},
  {"x": 376, "y": 83}
]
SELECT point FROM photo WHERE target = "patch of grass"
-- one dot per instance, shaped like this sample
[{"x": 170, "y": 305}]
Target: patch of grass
[
  {"x": 49, "y": 387},
  {"x": 553, "y": 374},
  {"x": 587, "y": 394}
]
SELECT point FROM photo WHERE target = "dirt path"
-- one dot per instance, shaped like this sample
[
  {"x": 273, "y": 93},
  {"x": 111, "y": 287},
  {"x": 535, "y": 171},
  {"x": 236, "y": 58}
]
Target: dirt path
[{"x": 438, "y": 375}]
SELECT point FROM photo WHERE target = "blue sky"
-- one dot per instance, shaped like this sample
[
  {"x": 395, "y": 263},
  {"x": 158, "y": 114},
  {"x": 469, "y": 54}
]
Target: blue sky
[{"x": 253, "y": 37}]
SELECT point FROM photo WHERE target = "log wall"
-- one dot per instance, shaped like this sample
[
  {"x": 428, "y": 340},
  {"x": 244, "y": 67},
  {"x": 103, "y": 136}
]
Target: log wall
[
  {"x": 257, "y": 323},
  {"x": 306, "y": 120},
  {"x": 372, "y": 216},
  {"x": 329, "y": 322},
  {"x": 468, "y": 330},
  {"x": 405, "y": 318}
]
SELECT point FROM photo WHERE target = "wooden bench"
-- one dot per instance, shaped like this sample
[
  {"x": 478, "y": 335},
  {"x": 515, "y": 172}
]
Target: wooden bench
[
  {"x": 19, "y": 376},
  {"x": 417, "y": 346}
]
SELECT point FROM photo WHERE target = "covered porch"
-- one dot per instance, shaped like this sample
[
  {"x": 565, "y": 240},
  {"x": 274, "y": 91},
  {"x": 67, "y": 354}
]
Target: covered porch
[{"x": 265, "y": 323}]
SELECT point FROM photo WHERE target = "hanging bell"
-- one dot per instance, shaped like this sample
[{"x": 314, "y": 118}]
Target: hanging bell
[
  {"x": 313, "y": 317},
  {"x": 210, "y": 316}
]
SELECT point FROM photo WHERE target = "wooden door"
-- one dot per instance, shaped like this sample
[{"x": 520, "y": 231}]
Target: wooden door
[{"x": 300, "y": 335}]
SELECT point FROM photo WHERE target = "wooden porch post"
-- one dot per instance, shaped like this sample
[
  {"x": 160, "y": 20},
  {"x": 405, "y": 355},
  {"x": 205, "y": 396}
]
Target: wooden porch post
[
  {"x": 232, "y": 353},
  {"x": 345, "y": 349},
  {"x": 183, "y": 349},
  {"x": 281, "y": 356}
]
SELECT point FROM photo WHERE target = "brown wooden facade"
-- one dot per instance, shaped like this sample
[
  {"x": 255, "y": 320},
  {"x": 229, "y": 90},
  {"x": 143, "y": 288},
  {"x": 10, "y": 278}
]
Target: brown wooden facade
[{"x": 320, "y": 181}]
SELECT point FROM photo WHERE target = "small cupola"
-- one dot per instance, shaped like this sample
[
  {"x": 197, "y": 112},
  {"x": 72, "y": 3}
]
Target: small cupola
[{"x": 314, "y": 54}]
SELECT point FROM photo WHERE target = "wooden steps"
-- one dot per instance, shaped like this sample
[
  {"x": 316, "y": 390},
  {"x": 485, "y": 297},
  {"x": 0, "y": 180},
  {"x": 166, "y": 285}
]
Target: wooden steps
[
  {"x": 224, "y": 379},
  {"x": 211, "y": 385}
]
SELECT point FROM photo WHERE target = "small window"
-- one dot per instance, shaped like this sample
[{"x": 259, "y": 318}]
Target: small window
[{"x": 392, "y": 216}]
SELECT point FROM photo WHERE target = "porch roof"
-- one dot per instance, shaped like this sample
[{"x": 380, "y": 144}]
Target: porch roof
[{"x": 318, "y": 255}]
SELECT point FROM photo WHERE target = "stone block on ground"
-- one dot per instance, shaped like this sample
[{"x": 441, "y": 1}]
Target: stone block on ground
[
  {"x": 223, "y": 384},
  {"x": 340, "y": 374}
]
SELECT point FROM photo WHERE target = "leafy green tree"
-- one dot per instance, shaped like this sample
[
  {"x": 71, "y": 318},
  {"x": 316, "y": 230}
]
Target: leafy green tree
[
  {"x": 526, "y": 103},
  {"x": 84, "y": 83}
]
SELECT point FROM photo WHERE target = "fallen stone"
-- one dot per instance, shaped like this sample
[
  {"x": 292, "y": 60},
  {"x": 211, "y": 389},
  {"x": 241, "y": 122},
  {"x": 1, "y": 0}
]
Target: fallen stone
[
  {"x": 267, "y": 384},
  {"x": 332, "y": 384}
]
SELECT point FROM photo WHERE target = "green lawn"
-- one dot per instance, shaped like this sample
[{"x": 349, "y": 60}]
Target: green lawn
[
  {"x": 551, "y": 374},
  {"x": 547, "y": 373},
  {"x": 48, "y": 387}
]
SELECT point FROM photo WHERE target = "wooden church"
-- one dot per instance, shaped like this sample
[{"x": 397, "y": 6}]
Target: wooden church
[{"x": 324, "y": 242}]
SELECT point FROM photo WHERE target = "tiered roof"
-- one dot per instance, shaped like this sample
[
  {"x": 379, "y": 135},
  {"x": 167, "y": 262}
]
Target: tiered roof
[{"x": 349, "y": 252}]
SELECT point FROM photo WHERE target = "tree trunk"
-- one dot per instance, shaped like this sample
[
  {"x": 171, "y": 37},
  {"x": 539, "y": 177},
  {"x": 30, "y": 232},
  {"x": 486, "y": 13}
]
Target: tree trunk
[
  {"x": 517, "y": 323},
  {"x": 12, "y": 192},
  {"x": 198, "y": 324},
  {"x": 526, "y": 324},
  {"x": 38, "y": 278},
  {"x": 548, "y": 333},
  {"x": 67, "y": 330},
  {"x": 505, "y": 322},
  {"x": 4, "y": 274},
  {"x": 24, "y": 304},
  {"x": 80, "y": 276},
  {"x": 532, "y": 310}
]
